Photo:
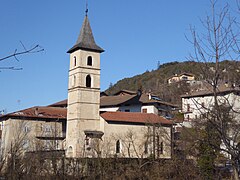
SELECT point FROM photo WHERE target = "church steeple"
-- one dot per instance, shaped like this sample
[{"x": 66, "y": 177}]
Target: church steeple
[
  {"x": 83, "y": 91},
  {"x": 85, "y": 39}
]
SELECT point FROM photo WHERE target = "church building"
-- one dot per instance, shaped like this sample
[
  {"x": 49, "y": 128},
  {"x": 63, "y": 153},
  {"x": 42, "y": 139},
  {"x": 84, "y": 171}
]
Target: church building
[{"x": 127, "y": 124}]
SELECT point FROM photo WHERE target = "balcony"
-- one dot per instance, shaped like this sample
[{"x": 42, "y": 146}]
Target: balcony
[{"x": 51, "y": 135}]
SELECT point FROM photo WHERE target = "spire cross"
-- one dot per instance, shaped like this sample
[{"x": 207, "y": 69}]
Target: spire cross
[{"x": 86, "y": 8}]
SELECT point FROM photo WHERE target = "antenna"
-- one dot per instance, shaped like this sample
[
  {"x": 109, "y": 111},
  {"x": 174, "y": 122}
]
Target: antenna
[{"x": 86, "y": 7}]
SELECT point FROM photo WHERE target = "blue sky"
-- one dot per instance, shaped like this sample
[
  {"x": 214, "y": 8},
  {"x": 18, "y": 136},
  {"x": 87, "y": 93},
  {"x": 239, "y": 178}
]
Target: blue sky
[{"x": 135, "y": 34}]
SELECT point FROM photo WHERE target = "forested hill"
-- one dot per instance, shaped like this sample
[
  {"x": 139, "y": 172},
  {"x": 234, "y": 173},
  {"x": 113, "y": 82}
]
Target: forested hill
[{"x": 156, "y": 80}]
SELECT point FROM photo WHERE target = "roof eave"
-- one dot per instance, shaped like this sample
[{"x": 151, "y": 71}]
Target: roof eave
[{"x": 75, "y": 48}]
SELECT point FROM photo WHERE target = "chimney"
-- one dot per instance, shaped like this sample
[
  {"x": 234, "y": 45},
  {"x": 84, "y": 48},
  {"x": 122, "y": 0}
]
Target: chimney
[
  {"x": 139, "y": 92},
  {"x": 149, "y": 96},
  {"x": 226, "y": 83},
  {"x": 36, "y": 111}
]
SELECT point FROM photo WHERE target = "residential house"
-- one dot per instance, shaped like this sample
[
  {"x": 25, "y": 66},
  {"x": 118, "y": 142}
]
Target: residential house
[
  {"x": 196, "y": 104},
  {"x": 36, "y": 128},
  {"x": 130, "y": 101},
  {"x": 181, "y": 77}
]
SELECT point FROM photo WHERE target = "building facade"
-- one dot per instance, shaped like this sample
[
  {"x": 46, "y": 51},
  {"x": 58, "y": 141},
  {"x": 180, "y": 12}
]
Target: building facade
[
  {"x": 196, "y": 105},
  {"x": 33, "y": 129}
]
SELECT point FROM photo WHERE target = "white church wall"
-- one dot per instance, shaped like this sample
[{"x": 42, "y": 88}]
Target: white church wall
[{"x": 133, "y": 138}]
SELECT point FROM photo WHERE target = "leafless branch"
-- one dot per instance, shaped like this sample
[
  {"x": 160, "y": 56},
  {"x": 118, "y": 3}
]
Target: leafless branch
[{"x": 16, "y": 53}]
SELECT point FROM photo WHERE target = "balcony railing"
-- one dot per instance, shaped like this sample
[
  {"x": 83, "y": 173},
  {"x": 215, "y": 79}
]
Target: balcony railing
[{"x": 51, "y": 134}]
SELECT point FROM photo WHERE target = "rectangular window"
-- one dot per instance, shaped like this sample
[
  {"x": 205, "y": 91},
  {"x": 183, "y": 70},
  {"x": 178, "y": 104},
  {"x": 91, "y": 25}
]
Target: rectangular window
[
  {"x": 188, "y": 107},
  {"x": 48, "y": 144},
  {"x": 57, "y": 145},
  {"x": 127, "y": 110},
  {"x": 87, "y": 141},
  {"x": 159, "y": 147},
  {"x": 25, "y": 143},
  {"x": 144, "y": 110},
  {"x": 47, "y": 128},
  {"x": 26, "y": 129}
]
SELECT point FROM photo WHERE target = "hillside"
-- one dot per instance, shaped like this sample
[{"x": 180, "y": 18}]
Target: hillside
[{"x": 156, "y": 80}]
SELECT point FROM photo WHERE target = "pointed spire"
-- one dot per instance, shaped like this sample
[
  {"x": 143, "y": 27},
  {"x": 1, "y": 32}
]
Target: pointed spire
[{"x": 86, "y": 40}]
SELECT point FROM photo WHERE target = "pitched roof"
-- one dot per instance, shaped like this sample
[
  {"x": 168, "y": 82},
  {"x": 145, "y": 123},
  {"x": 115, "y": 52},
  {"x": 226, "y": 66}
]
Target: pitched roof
[
  {"x": 124, "y": 91},
  {"x": 184, "y": 73},
  {"x": 85, "y": 39},
  {"x": 39, "y": 112},
  {"x": 107, "y": 101},
  {"x": 46, "y": 112},
  {"x": 209, "y": 92},
  {"x": 103, "y": 94},
  {"x": 62, "y": 103},
  {"x": 134, "y": 117},
  {"x": 114, "y": 100},
  {"x": 145, "y": 100}
]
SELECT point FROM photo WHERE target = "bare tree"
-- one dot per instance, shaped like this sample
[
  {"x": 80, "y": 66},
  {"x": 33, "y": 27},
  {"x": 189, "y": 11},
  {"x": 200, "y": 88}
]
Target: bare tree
[{"x": 219, "y": 42}]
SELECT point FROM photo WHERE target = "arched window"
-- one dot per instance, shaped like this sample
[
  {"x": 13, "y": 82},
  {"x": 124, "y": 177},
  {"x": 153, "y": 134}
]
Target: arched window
[
  {"x": 75, "y": 60},
  {"x": 146, "y": 147},
  {"x": 118, "y": 146},
  {"x": 89, "y": 60},
  {"x": 70, "y": 151},
  {"x": 87, "y": 141},
  {"x": 88, "y": 81}
]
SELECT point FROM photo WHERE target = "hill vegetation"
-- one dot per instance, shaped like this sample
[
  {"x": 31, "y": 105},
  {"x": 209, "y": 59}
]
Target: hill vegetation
[{"x": 155, "y": 81}]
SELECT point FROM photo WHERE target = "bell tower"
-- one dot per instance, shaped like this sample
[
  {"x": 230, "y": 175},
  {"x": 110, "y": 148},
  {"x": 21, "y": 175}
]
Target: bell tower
[{"x": 83, "y": 90}]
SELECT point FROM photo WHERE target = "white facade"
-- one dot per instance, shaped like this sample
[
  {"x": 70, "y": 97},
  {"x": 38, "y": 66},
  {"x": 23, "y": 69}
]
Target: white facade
[
  {"x": 134, "y": 142},
  {"x": 194, "y": 107},
  {"x": 132, "y": 108}
]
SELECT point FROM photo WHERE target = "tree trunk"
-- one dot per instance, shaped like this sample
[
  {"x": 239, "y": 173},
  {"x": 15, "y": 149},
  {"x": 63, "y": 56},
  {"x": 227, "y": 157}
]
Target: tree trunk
[{"x": 235, "y": 175}]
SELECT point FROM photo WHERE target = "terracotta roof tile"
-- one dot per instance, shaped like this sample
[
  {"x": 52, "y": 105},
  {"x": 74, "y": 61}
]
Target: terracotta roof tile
[
  {"x": 62, "y": 103},
  {"x": 61, "y": 113},
  {"x": 40, "y": 112},
  {"x": 134, "y": 117}
]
